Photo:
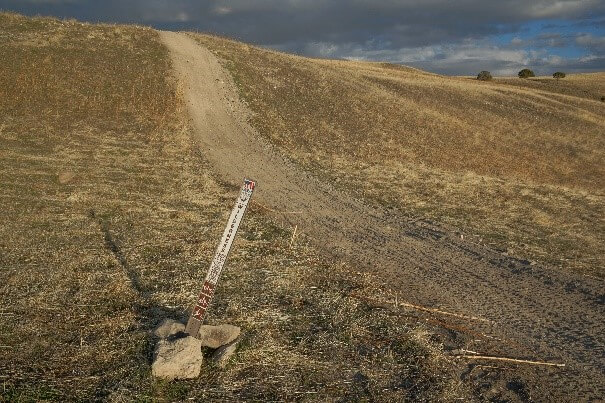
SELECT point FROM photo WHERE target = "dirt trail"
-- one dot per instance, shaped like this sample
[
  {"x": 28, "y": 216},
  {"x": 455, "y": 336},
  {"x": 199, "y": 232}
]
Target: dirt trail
[{"x": 535, "y": 313}]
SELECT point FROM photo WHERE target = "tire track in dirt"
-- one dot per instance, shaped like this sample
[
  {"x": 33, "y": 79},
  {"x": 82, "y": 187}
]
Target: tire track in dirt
[{"x": 536, "y": 313}]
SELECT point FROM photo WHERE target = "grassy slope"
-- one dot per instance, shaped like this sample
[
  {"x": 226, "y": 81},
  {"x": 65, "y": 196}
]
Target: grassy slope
[
  {"x": 519, "y": 163},
  {"x": 109, "y": 219}
]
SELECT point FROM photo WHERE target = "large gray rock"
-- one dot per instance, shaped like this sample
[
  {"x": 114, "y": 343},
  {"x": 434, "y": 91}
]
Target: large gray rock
[
  {"x": 223, "y": 354},
  {"x": 178, "y": 358},
  {"x": 168, "y": 327},
  {"x": 217, "y": 336}
]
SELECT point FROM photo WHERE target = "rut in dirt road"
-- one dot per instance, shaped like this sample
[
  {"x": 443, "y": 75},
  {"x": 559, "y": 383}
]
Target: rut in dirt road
[{"x": 534, "y": 312}]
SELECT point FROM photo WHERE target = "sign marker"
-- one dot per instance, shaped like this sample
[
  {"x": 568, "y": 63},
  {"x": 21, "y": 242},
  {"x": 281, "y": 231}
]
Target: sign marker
[{"x": 220, "y": 257}]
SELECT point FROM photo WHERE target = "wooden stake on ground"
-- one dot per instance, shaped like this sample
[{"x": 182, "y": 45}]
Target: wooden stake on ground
[
  {"x": 398, "y": 303},
  {"x": 220, "y": 257},
  {"x": 293, "y": 236},
  {"x": 488, "y": 357}
]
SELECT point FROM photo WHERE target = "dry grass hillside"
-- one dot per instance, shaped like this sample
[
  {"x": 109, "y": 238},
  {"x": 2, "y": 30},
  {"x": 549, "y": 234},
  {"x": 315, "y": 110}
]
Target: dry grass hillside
[
  {"x": 517, "y": 163},
  {"x": 110, "y": 217}
]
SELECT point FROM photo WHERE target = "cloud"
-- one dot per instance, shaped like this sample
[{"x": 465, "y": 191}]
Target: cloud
[
  {"x": 222, "y": 10},
  {"x": 52, "y": 2},
  {"x": 465, "y": 58},
  {"x": 552, "y": 40},
  {"x": 556, "y": 9},
  {"x": 591, "y": 42},
  {"x": 442, "y": 35},
  {"x": 517, "y": 42},
  {"x": 459, "y": 59}
]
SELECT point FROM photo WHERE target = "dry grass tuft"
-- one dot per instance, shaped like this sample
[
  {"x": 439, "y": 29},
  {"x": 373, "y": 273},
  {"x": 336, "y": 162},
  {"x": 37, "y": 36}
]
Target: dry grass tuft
[
  {"x": 519, "y": 163},
  {"x": 110, "y": 217}
]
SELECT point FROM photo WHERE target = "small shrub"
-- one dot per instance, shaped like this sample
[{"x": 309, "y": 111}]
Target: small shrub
[
  {"x": 484, "y": 76},
  {"x": 526, "y": 73},
  {"x": 602, "y": 99},
  {"x": 558, "y": 75}
]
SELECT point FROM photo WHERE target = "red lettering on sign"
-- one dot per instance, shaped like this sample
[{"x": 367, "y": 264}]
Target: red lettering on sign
[
  {"x": 198, "y": 313},
  {"x": 203, "y": 301},
  {"x": 208, "y": 288}
]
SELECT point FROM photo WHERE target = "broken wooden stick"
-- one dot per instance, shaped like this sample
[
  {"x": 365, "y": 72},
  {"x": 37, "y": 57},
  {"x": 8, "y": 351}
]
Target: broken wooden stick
[
  {"x": 293, "y": 236},
  {"x": 390, "y": 305},
  {"x": 489, "y": 367},
  {"x": 489, "y": 357}
]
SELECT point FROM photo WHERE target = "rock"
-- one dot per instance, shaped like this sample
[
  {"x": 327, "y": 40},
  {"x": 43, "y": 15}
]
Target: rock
[
  {"x": 178, "y": 359},
  {"x": 217, "y": 336},
  {"x": 168, "y": 327},
  {"x": 222, "y": 355}
]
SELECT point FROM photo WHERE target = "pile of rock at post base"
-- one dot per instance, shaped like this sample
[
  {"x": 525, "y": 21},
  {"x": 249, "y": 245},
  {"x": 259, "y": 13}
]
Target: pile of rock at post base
[{"x": 179, "y": 356}]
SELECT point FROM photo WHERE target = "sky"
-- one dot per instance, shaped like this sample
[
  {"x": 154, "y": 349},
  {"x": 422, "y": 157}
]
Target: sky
[{"x": 456, "y": 37}]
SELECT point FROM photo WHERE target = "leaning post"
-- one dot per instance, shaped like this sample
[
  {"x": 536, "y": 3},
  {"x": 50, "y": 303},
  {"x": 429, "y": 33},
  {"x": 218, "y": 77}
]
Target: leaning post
[{"x": 220, "y": 257}]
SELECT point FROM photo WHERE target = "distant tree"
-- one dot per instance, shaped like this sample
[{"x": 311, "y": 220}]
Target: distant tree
[
  {"x": 558, "y": 75},
  {"x": 484, "y": 76},
  {"x": 526, "y": 73}
]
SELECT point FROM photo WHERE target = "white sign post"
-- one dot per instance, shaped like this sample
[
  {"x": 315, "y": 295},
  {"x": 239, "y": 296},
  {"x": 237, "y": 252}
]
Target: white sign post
[{"x": 216, "y": 267}]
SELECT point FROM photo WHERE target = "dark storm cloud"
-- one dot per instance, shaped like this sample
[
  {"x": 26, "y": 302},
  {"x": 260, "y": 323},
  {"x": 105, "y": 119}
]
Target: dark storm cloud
[{"x": 363, "y": 29}]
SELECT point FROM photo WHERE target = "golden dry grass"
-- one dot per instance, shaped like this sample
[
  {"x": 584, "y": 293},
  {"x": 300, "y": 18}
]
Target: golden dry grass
[
  {"x": 109, "y": 219},
  {"x": 518, "y": 163}
]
